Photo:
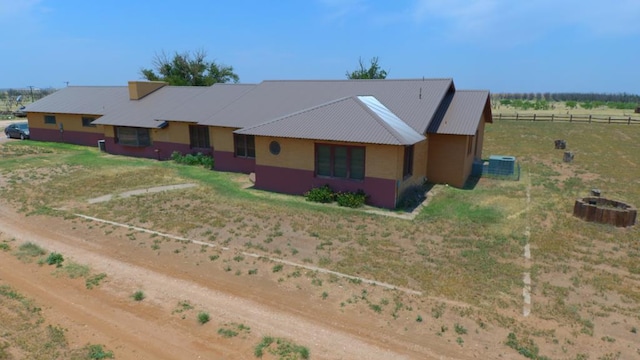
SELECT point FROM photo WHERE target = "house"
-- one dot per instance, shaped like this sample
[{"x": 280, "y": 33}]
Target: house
[{"x": 381, "y": 136}]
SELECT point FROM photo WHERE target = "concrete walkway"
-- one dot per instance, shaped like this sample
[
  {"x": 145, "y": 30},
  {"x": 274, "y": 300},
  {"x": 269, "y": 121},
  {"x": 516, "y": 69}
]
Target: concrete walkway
[{"x": 127, "y": 194}]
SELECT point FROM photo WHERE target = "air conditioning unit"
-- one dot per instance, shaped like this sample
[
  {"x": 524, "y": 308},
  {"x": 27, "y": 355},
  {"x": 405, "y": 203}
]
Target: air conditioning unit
[{"x": 502, "y": 165}]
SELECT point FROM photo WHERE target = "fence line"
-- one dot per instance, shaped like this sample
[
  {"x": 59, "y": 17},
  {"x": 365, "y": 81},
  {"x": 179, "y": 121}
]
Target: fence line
[{"x": 606, "y": 119}]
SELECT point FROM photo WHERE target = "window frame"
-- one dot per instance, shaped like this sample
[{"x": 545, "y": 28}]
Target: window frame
[
  {"x": 199, "y": 137},
  {"x": 244, "y": 146},
  {"x": 407, "y": 165},
  {"x": 333, "y": 161},
  {"x": 86, "y": 121},
  {"x": 50, "y": 119},
  {"x": 139, "y": 141}
]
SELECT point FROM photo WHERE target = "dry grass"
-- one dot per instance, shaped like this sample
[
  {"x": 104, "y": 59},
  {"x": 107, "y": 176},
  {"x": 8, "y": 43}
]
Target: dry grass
[{"x": 464, "y": 248}]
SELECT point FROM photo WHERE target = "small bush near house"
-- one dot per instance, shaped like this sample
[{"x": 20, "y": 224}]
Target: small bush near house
[
  {"x": 190, "y": 159},
  {"x": 322, "y": 194},
  {"x": 351, "y": 199}
]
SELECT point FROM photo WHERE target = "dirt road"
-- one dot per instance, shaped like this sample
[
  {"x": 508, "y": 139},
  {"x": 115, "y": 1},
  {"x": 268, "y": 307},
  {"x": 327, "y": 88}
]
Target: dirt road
[{"x": 152, "y": 329}]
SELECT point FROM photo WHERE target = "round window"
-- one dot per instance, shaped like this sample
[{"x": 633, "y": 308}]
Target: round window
[{"x": 274, "y": 147}]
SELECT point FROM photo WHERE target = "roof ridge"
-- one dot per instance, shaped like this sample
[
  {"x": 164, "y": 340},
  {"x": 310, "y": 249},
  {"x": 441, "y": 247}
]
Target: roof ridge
[{"x": 299, "y": 112}]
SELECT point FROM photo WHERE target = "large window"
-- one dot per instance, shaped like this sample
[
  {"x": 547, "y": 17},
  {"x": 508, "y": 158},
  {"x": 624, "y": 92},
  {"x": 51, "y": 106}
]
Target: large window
[
  {"x": 199, "y": 136},
  {"x": 50, "y": 119},
  {"x": 86, "y": 122},
  {"x": 339, "y": 161},
  {"x": 245, "y": 145},
  {"x": 133, "y": 136},
  {"x": 407, "y": 169}
]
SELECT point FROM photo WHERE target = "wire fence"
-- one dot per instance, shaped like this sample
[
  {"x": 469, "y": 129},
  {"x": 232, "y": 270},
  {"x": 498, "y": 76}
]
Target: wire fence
[{"x": 601, "y": 119}]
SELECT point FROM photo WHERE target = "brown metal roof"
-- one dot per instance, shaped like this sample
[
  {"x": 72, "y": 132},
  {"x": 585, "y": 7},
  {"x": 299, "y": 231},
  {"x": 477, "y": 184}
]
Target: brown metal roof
[
  {"x": 203, "y": 105},
  {"x": 89, "y": 100},
  {"x": 146, "y": 111},
  {"x": 361, "y": 119},
  {"x": 461, "y": 112},
  {"x": 414, "y": 101}
]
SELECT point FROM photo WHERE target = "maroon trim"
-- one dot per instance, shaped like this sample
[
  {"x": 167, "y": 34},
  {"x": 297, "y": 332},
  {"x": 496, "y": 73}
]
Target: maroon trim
[
  {"x": 158, "y": 150},
  {"x": 227, "y": 161},
  {"x": 71, "y": 137},
  {"x": 382, "y": 192}
]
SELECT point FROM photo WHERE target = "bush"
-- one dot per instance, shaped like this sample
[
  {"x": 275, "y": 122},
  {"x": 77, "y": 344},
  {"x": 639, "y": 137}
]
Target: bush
[
  {"x": 322, "y": 194},
  {"x": 190, "y": 159},
  {"x": 203, "y": 317},
  {"x": 55, "y": 259},
  {"x": 138, "y": 295},
  {"x": 351, "y": 199}
]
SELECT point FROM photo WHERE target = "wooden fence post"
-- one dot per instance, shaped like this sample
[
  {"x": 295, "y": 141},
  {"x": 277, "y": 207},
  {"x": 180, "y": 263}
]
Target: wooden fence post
[
  {"x": 570, "y": 117},
  {"x": 516, "y": 116},
  {"x": 551, "y": 117},
  {"x": 609, "y": 119},
  {"x": 629, "y": 121},
  {"x": 589, "y": 118},
  {"x": 534, "y": 117}
]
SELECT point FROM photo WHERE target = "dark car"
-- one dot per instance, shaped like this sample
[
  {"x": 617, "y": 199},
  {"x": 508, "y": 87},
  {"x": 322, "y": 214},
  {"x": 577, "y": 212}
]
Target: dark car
[{"x": 17, "y": 130}]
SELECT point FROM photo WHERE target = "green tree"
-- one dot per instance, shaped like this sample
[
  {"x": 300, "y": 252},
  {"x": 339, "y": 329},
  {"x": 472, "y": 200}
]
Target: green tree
[
  {"x": 373, "y": 72},
  {"x": 189, "y": 69}
]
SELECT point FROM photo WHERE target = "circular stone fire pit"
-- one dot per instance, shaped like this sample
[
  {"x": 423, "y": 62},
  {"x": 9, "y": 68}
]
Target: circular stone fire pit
[{"x": 605, "y": 211}]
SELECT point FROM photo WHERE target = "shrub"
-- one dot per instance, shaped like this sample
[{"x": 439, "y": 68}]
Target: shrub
[
  {"x": 190, "y": 159},
  {"x": 351, "y": 199},
  {"x": 55, "y": 259},
  {"x": 203, "y": 317},
  {"x": 97, "y": 352},
  {"x": 412, "y": 197},
  {"x": 322, "y": 194},
  {"x": 138, "y": 295}
]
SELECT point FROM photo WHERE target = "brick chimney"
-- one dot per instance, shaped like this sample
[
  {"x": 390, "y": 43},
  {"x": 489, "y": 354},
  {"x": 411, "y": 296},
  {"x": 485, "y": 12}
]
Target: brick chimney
[{"x": 140, "y": 89}]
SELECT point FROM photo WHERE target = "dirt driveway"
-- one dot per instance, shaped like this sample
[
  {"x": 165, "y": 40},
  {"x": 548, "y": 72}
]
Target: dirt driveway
[{"x": 156, "y": 329}]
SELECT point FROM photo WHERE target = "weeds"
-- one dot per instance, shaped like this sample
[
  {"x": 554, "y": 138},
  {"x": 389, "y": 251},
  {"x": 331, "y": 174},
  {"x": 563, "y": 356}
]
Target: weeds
[
  {"x": 138, "y": 295},
  {"x": 203, "y": 317},
  {"x": 281, "y": 348},
  {"x": 95, "y": 280}
]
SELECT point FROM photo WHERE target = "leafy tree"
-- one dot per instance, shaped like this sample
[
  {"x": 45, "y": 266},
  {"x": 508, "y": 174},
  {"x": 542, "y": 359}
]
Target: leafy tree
[
  {"x": 188, "y": 69},
  {"x": 373, "y": 72}
]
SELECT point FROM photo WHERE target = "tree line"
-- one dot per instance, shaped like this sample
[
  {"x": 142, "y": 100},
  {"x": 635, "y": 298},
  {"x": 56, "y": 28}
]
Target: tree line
[{"x": 592, "y": 97}]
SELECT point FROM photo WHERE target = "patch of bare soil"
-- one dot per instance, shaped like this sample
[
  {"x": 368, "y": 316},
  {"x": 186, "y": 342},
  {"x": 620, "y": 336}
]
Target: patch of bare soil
[{"x": 174, "y": 272}]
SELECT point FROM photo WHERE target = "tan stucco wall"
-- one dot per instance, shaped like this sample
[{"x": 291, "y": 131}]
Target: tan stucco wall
[
  {"x": 381, "y": 161},
  {"x": 447, "y": 159},
  {"x": 70, "y": 122},
  {"x": 140, "y": 89},
  {"x": 294, "y": 153},
  {"x": 176, "y": 132},
  {"x": 222, "y": 138}
]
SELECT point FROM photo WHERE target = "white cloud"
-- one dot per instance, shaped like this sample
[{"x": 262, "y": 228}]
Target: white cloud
[
  {"x": 473, "y": 19},
  {"x": 339, "y": 9},
  {"x": 12, "y": 8}
]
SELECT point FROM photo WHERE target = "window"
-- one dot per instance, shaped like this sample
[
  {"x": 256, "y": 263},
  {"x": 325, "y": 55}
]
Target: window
[
  {"x": 274, "y": 148},
  {"x": 245, "y": 145},
  {"x": 407, "y": 169},
  {"x": 346, "y": 162},
  {"x": 50, "y": 119},
  {"x": 133, "y": 136},
  {"x": 199, "y": 136},
  {"x": 86, "y": 122}
]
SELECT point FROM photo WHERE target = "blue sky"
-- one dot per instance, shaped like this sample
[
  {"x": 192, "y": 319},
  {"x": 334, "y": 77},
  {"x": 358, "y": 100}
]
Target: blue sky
[{"x": 500, "y": 45}]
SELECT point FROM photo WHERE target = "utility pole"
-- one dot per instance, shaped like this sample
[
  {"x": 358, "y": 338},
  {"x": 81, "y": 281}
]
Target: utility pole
[
  {"x": 66, "y": 82},
  {"x": 31, "y": 88}
]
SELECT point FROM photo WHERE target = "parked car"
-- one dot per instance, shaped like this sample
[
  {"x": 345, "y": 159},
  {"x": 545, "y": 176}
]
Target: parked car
[{"x": 17, "y": 130}]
